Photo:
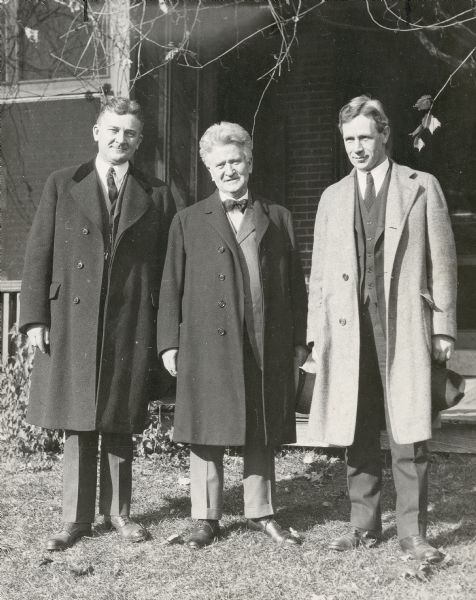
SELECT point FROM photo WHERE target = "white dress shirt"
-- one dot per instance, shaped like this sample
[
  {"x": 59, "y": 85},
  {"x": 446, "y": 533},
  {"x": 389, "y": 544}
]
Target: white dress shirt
[
  {"x": 378, "y": 174},
  {"x": 120, "y": 172},
  {"x": 235, "y": 216}
]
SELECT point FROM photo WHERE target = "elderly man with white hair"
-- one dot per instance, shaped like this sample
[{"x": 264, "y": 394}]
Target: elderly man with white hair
[{"x": 232, "y": 317}]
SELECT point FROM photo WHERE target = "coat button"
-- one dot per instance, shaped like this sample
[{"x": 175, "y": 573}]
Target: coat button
[
  {"x": 85, "y": 231},
  {"x": 222, "y": 304},
  {"x": 221, "y": 331},
  {"x": 221, "y": 277},
  {"x": 221, "y": 249},
  {"x": 342, "y": 321},
  {"x": 370, "y": 285},
  {"x": 79, "y": 264},
  {"x": 345, "y": 277},
  {"x": 76, "y": 300}
]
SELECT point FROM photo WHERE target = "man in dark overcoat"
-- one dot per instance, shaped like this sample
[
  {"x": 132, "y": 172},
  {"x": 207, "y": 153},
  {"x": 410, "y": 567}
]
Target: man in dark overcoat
[
  {"x": 382, "y": 296},
  {"x": 89, "y": 296},
  {"x": 231, "y": 318}
]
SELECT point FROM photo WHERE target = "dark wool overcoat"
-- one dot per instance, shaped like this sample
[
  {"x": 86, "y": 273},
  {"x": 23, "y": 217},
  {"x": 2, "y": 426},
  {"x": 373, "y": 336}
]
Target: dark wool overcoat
[
  {"x": 202, "y": 314},
  {"x": 97, "y": 374}
]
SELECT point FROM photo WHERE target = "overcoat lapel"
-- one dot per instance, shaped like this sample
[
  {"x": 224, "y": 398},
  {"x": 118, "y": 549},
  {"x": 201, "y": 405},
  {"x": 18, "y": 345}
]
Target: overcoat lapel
[
  {"x": 86, "y": 192},
  {"x": 135, "y": 203},
  {"x": 261, "y": 219},
  {"x": 346, "y": 224},
  {"x": 247, "y": 226},
  {"x": 217, "y": 218},
  {"x": 402, "y": 193}
]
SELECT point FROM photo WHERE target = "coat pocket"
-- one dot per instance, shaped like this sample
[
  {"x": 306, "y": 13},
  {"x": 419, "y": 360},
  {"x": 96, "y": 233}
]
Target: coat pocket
[
  {"x": 54, "y": 290},
  {"x": 425, "y": 294}
]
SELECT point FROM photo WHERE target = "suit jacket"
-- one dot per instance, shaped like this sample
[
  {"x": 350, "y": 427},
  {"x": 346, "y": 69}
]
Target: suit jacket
[
  {"x": 98, "y": 372},
  {"x": 202, "y": 312},
  {"x": 420, "y": 299}
]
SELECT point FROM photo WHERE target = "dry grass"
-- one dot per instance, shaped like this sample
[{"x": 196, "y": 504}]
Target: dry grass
[{"x": 243, "y": 565}]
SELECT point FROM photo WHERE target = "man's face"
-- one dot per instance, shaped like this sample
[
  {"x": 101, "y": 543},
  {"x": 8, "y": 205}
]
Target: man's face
[
  {"x": 364, "y": 144},
  {"x": 229, "y": 169},
  {"x": 118, "y": 137}
]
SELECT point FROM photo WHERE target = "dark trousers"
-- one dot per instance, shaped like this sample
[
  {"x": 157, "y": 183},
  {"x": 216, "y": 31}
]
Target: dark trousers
[
  {"x": 206, "y": 462},
  {"x": 364, "y": 468},
  {"x": 80, "y": 475}
]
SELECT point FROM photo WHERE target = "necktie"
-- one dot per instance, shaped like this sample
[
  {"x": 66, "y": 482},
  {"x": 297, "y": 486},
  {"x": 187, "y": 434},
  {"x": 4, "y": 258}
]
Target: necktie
[
  {"x": 111, "y": 189},
  {"x": 231, "y": 204},
  {"x": 369, "y": 197}
]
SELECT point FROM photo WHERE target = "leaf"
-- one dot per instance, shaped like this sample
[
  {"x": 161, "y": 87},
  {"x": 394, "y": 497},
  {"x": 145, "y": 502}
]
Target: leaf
[
  {"x": 31, "y": 35},
  {"x": 417, "y": 131},
  {"x": 423, "y": 103},
  {"x": 430, "y": 122},
  {"x": 45, "y": 561},
  {"x": 81, "y": 570},
  {"x": 418, "y": 143},
  {"x": 309, "y": 458},
  {"x": 176, "y": 538},
  {"x": 184, "y": 481}
]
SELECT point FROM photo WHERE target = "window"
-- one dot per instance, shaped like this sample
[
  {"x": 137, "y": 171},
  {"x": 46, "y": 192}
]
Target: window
[{"x": 49, "y": 48}]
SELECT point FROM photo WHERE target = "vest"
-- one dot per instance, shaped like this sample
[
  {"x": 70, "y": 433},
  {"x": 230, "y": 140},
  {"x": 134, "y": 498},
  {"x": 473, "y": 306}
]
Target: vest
[
  {"x": 249, "y": 262},
  {"x": 369, "y": 230}
]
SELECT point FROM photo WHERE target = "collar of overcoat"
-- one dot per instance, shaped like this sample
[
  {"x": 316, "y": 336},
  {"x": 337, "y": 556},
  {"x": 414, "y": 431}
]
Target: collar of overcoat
[
  {"x": 136, "y": 199},
  {"x": 402, "y": 193},
  {"x": 213, "y": 208}
]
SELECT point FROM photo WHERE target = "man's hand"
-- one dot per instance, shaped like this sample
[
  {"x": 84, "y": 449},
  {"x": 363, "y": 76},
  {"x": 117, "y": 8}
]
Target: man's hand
[
  {"x": 301, "y": 353},
  {"x": 169, "y": 358},
  {"x": 39, "y": 337},
  {"x": 442, "y": 347}
]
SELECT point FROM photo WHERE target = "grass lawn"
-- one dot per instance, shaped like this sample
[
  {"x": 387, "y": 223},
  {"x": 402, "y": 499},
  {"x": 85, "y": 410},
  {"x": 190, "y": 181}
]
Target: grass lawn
[{"x": 243, "y": 565}]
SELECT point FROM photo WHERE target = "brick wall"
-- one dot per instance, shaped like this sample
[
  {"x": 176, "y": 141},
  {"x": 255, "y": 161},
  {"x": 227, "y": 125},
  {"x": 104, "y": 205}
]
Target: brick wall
[
  {"x": 37, "y": 138},
  {"x": 306, "y": 100}
]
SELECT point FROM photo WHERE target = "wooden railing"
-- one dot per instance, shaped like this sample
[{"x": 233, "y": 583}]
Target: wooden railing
[{"x": 10, "y": 303}]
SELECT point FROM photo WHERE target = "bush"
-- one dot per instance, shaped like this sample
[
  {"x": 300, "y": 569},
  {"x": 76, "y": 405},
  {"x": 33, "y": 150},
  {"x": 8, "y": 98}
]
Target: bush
[
  {"x": 157, "y": 436},
  {"x": 17, "y": 437}
]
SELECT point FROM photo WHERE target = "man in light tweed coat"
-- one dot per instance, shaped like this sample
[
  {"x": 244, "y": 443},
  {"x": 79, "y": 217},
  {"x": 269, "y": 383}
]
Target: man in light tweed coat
[{"x": 381, "y": 308}]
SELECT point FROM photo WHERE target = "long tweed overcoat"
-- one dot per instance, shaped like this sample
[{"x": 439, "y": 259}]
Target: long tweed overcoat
[
  {"x": 420, "y": 292},
  {"x": 202, "y": 313},
  {"x": 97, "y": 373}
]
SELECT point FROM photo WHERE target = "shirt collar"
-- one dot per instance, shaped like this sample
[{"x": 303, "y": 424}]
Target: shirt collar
[
  {"x": 224, "y": 197},
  {"x": 378, "y": 174},
  {"x": 103, "y": 167}
]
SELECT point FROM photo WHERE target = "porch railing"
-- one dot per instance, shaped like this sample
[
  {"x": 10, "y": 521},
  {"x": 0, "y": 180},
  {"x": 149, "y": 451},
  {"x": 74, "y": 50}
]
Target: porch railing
[{"x": 10, "y": 306}]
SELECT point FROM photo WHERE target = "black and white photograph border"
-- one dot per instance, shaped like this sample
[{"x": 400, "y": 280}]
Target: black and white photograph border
[{"x": 282, "y": 69}]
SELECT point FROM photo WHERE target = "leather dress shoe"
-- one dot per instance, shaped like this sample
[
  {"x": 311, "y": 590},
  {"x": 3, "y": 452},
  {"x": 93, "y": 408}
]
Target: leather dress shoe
[
  {"x": 206, "y": 531},
  {"x": 126, "y": 528},
  {"x": 274, "y": 530},
  {"x": 418, "y": 548},
  {"x": 68, "y": 536},
  {"x": 354, "y": 539}
]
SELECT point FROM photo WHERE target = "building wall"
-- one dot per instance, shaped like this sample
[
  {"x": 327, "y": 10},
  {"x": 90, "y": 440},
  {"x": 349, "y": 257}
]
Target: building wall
[
  {"x": 37, "y": 138},
  {"x": 307, "y": 102}
]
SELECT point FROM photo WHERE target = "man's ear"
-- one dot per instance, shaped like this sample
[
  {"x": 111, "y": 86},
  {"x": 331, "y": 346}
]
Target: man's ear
[
  {"x": 95, "y": 132},
  {"x": 386, "y": 134},
  {"x": 250, "y": 163}
]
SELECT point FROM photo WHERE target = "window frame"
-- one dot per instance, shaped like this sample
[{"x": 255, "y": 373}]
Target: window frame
[{"x": 117, "y": 75}]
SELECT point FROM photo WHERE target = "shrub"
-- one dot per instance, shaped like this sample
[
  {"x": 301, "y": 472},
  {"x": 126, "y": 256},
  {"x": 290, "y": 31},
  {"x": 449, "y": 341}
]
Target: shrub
[
  {"x": 17, "y": 437},
  {"x": 157, "y": 436}
]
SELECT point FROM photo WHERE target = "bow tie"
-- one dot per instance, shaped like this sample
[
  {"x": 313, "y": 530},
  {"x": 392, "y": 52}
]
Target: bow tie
[{"x": 231, "y": 204}]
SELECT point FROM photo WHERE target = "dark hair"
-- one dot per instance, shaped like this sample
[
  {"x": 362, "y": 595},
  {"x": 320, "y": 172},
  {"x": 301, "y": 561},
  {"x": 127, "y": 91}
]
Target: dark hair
[
  {"x": 367, "y": 107},
  {"x": 121, "y": 106}
]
